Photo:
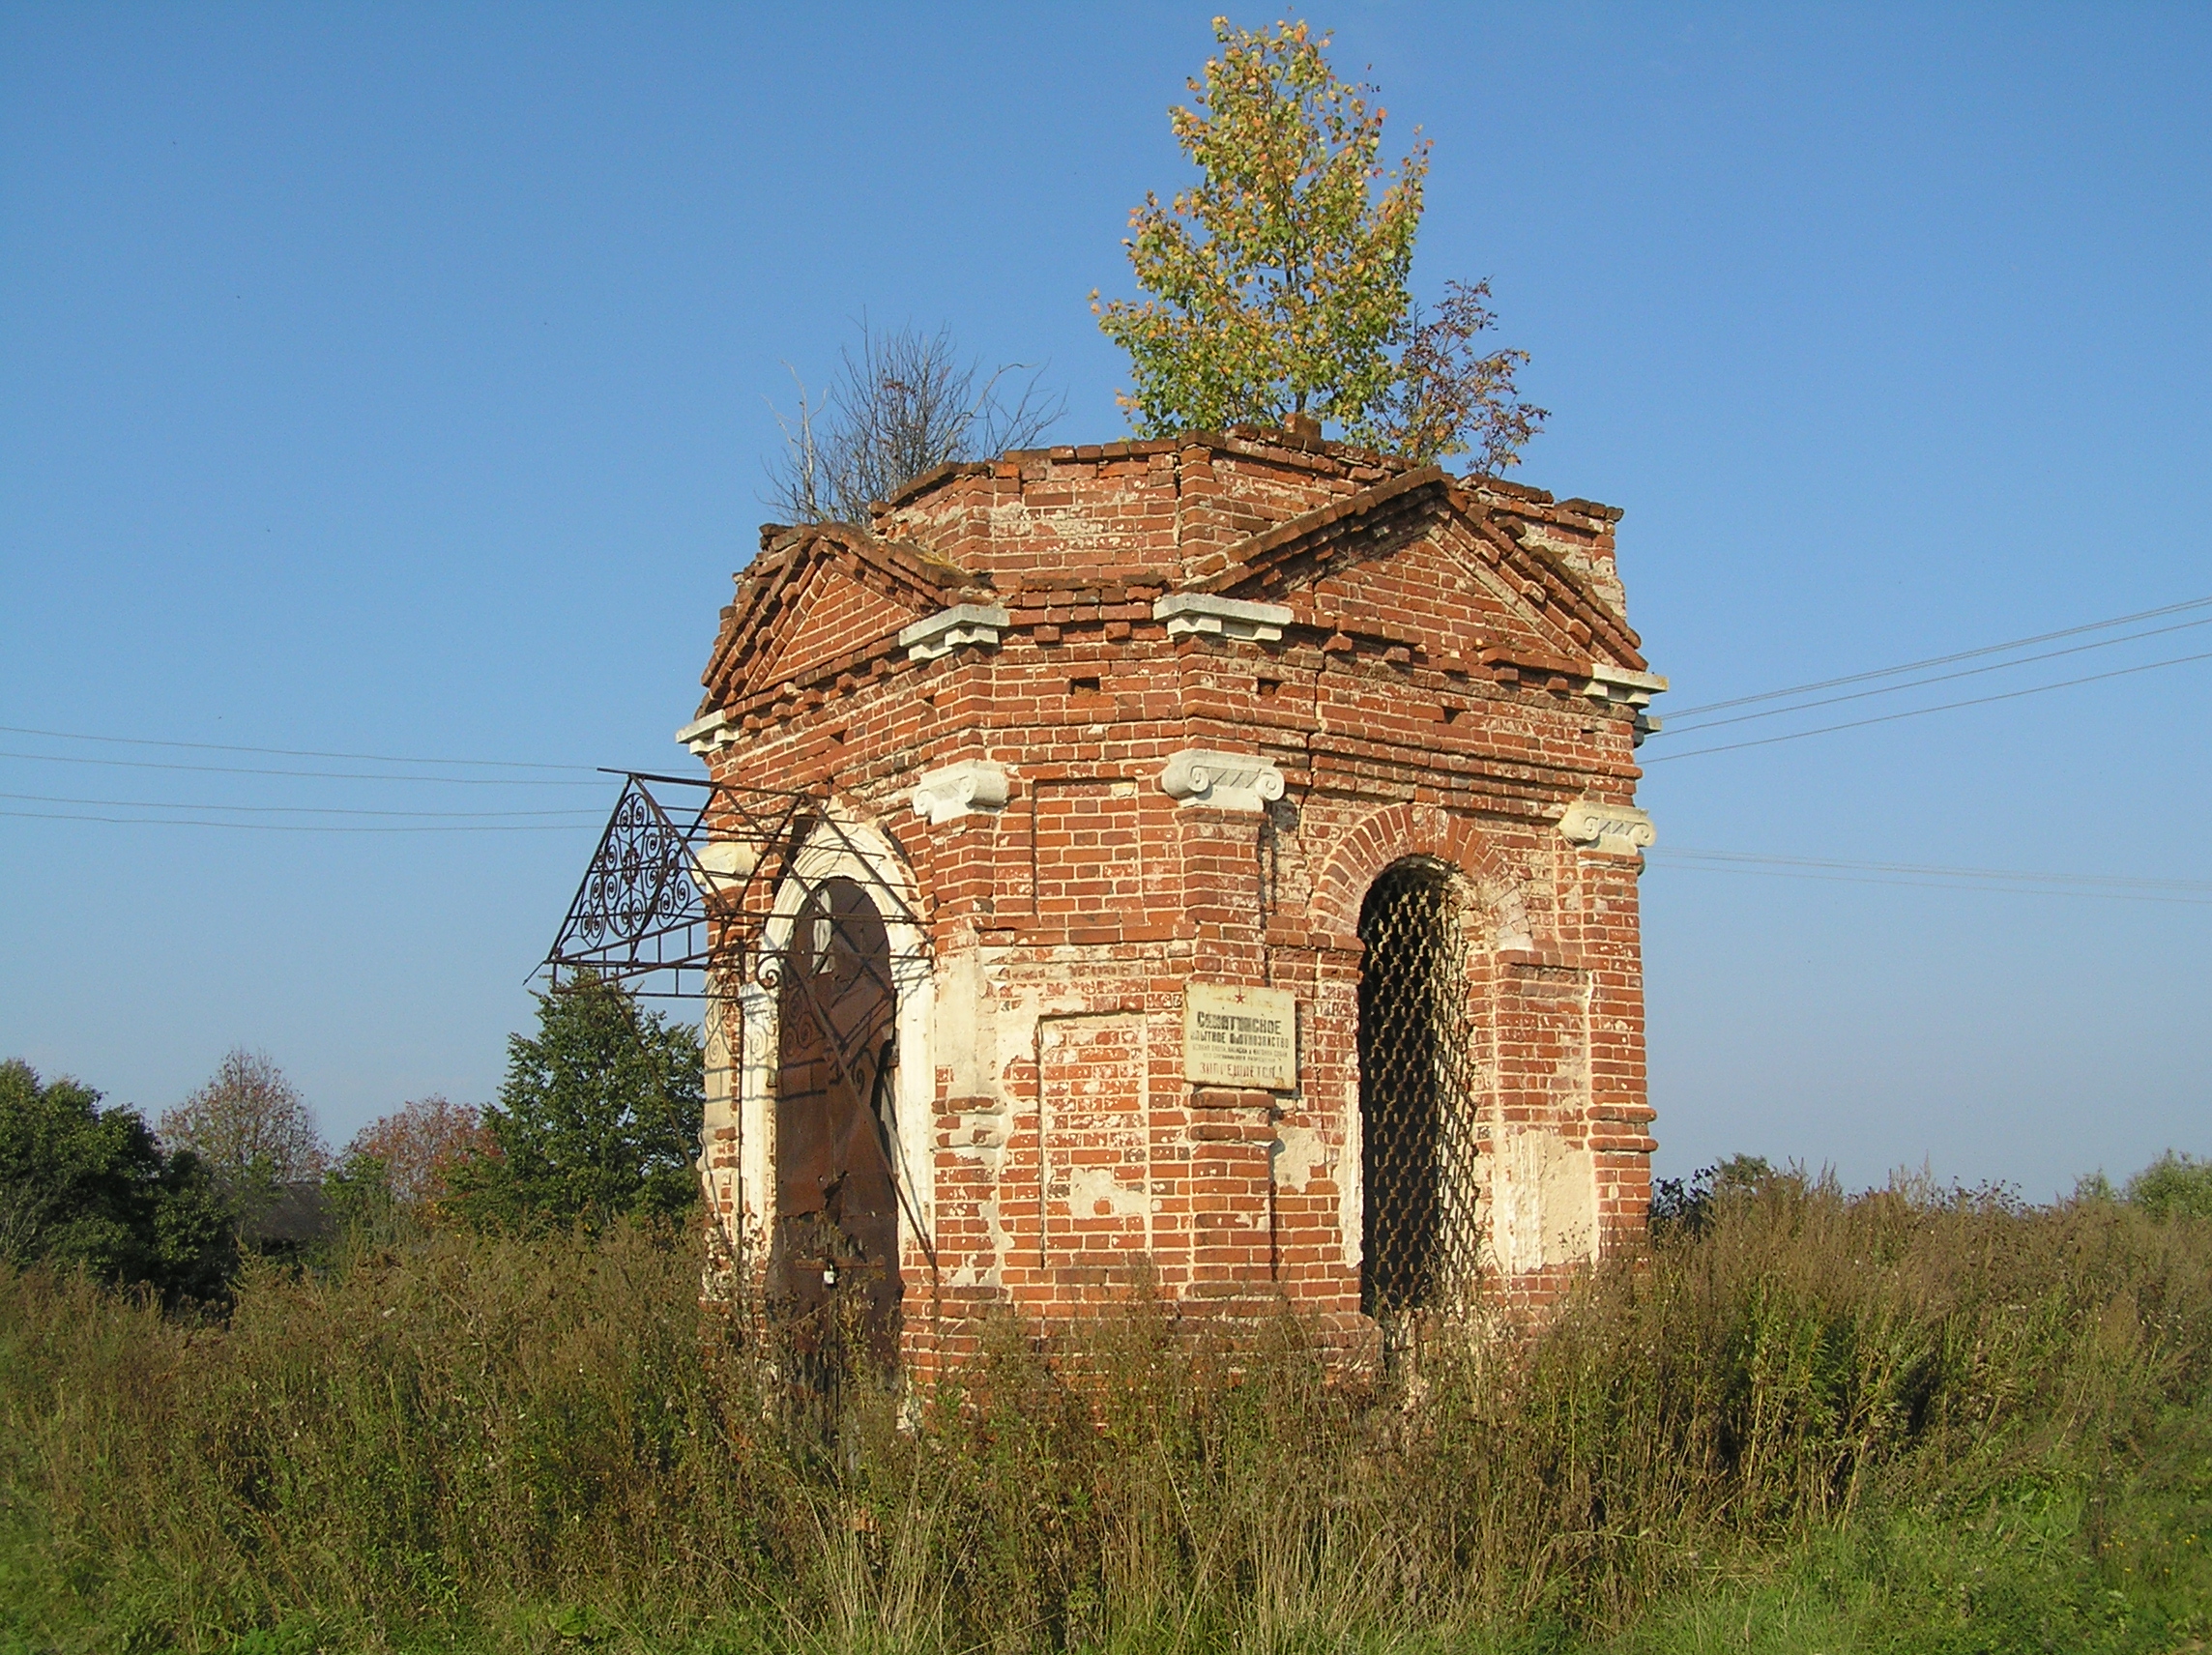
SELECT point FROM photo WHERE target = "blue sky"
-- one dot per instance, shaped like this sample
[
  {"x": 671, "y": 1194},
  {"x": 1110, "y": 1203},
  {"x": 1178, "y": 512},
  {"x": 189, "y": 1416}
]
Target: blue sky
[{"x": 395, "y": 381}]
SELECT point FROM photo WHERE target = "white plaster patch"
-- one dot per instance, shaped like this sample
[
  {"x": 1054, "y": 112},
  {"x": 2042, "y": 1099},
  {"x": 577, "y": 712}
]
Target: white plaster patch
[
  {"x": 1093, "y": 1138},
  {"x": 1070, "y": 526},
  {"x": 1543, "y": 1202},
  {"x": 1299, "y": 1155},
  {"x": 1094, "y": 1192},
  {"x": 961, "y": 1038},
  {"x": 1511, "y": 913}
]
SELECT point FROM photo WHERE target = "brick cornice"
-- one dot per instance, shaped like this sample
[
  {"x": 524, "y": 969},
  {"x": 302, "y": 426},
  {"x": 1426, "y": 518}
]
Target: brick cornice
[
  {"x": 1244, "y": 560},
  {"x": 1240, "y": 568},
  {"x": 766, "y": 608},
  {"x": 1511, "y": 537}
]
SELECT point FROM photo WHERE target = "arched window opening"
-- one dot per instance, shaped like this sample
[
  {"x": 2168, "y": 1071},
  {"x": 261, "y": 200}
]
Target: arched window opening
[
  {"x": 833, "y": 1267},
  {"x": 1419, "y": 1232}
]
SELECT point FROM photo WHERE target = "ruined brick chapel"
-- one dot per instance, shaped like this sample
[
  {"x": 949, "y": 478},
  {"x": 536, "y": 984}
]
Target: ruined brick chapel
[{"x": 1207, "y": 861}]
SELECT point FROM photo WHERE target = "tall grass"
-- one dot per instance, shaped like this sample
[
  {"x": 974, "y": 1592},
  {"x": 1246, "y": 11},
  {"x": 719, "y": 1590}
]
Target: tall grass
[{"x": 526, "y": 1444}]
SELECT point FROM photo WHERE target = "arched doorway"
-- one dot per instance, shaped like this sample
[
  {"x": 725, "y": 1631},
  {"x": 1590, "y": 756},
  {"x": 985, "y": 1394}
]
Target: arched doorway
[
  {"x": 1419, "y": 1232},
  {"x": 833, "y": 1267}
]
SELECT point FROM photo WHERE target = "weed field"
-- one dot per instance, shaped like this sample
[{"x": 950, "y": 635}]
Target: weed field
[{"x": 1904, "y": 1420}]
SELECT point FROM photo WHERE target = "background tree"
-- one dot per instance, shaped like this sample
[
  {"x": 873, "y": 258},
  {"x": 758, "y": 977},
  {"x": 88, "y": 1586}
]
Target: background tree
[
  {"x": 248, "y": 1121},
  {"x": 901, "y": 403},
  {"x": 1280, "y": 280},
  {"x": 599, "y": 1116},
  {"x": 1689, "y": 1207},
  {"x": 257, "y": 1138},
  {"x": 83, "y": 1186},
  {"x": 418, "y": 1145},
  {"x": 394, "y": 1177}
]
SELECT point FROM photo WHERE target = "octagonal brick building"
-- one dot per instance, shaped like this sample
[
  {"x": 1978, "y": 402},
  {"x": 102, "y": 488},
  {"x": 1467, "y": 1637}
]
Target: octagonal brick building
[{"x": 1234, "y": 868}]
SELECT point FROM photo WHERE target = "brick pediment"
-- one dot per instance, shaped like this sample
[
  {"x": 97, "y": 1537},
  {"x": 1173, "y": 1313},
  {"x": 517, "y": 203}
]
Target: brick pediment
[
  {"x": 819, "y": 595},
  {"x": 1420, "y": 560}
]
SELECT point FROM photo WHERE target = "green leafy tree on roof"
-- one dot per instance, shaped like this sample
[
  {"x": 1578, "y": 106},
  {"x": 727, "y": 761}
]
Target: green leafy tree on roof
[{"x": 1279, "y": 282}]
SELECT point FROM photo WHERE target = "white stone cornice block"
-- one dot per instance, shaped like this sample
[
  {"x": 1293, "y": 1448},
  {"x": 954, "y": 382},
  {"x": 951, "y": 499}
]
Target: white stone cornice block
[
  {"x": 1191, "y": 614},
  {"x": 724, "y": 866},
  {"x": 1618, "y": 829},
  {"x": 948, "y": 628},
  {"x": 1223, "y": 781},
  {"x": 708, "y": 734},
  {"x": 1608, "y": 683},
  {"x": 972, "y": 784}
]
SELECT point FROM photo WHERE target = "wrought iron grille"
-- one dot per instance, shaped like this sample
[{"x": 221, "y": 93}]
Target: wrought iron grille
[
  {"x": 680, "y": 893},
  {"x": 685, "y": 901},
  {"x": 1420, "y": 1231}
]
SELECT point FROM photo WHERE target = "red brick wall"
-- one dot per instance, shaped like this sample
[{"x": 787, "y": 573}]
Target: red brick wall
[{"x": 1427, "y": 698}]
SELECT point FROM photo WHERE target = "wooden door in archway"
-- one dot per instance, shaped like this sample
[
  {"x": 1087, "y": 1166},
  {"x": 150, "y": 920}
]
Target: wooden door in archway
[{"x": 834, "y": 1269}]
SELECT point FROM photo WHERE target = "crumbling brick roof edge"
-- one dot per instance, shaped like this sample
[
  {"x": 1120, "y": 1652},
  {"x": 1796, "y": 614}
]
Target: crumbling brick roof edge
[
  {"x": 1236, "y": 439},
  {"x": 1244, "y": 439}
]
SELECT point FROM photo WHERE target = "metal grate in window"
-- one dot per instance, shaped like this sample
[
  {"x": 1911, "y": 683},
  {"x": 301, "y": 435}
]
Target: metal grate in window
[{"x": 1420, "y": 1230}]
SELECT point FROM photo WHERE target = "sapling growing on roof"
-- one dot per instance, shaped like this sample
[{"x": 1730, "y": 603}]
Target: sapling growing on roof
[{"x": 1279, "y": 282}]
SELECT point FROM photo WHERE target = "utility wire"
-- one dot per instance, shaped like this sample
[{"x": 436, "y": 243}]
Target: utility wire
[
  {"x": 1939, "y": 678},
  {"x": 287, "y": 752},
  {"x": 285, "y": 809},
  {"x": 316, "y": 775},
  {"x": 1922, "y": 712},
  {"x": 1908, "y": 882},
  {"x": 2111, "y": 884},
  {"x": 1945, "y": 660},
  {"x": 298, "y": 826}
]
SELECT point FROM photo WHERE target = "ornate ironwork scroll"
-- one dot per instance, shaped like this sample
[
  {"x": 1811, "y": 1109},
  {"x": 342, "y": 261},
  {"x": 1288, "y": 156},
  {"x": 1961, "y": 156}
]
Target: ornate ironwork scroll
[
  {"x": 639, "y": 905},
  {"x": 686, "y": 877}
]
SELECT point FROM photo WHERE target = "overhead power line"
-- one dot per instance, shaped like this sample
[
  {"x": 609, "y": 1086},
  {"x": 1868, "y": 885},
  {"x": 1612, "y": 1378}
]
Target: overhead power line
[
  {"x": 1906, "y": 883},
  {"x": 302, "y": 826},
  {"x": 1923, "y": 711},
  {"x": 308, "y": 776},
  {"x": 1674, "y": 728},
  {"x": 287, "y": 752},
  {"x": 286, "y": 809},
  {"x": 1945, "y": 660},
  {"x": 2002, "y": 881}
]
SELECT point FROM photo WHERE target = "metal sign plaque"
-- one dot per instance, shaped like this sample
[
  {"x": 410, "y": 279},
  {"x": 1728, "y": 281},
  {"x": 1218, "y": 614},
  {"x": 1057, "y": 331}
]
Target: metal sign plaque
[{"x": 1240, "y": 1036}]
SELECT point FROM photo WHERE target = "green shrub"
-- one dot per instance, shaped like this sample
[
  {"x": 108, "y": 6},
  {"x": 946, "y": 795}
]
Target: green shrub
[
  {"x": 2172, "y": 1186},
  {"x": 1687, "y": 1206}
]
